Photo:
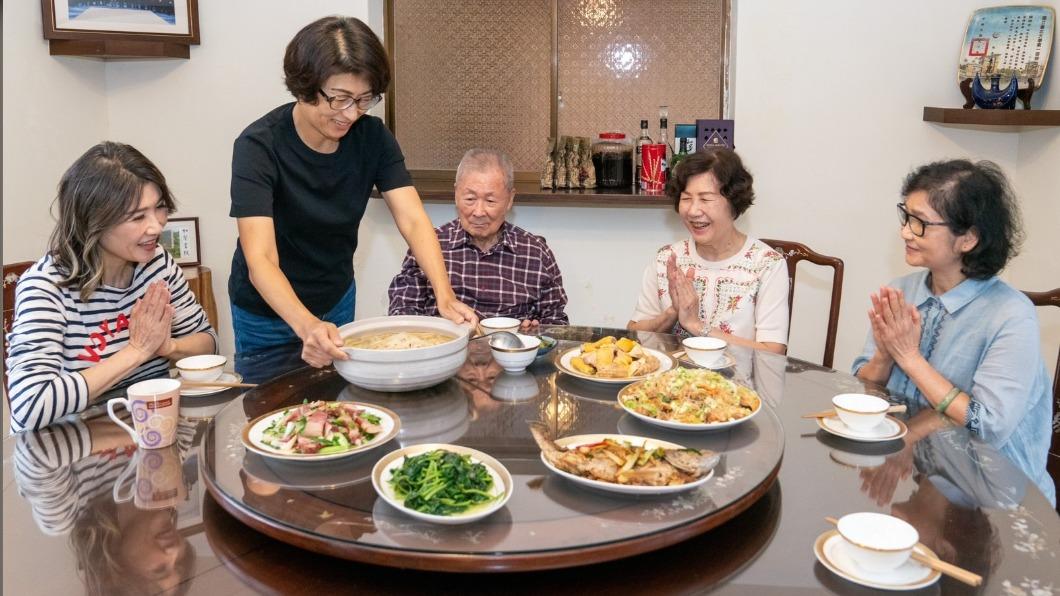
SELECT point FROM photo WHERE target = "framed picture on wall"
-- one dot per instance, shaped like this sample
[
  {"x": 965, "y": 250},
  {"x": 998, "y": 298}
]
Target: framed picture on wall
[
  {"x": 180, "y": 238},
  {"x": 174, "y": 21}
]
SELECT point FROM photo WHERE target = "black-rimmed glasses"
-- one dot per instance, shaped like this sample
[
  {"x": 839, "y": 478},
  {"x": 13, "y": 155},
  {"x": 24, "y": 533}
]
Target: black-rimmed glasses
[
  {"x": 345, "y": 102},
  {"x": 916, "y": 225}
]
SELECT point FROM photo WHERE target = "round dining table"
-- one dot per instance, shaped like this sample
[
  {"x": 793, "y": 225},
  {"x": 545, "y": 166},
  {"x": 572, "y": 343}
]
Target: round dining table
[{"x": 77, "y": 518}]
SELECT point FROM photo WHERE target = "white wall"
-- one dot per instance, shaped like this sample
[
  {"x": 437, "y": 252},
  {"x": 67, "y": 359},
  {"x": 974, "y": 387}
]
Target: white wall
[
  {"x": 829, "y": 135},
  {"x": 54, "y": 109}
]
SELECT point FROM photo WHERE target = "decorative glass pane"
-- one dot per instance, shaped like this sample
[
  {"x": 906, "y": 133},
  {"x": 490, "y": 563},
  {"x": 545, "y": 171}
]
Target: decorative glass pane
[
  {"x": 619, "y": 60},
  {"x": 470, "y": 74}
]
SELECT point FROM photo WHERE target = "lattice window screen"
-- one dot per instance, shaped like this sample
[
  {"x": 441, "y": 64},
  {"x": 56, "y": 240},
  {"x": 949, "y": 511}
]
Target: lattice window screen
[
  {"x": 619, "y": 60},
  {"x": 472, "y": 73}
]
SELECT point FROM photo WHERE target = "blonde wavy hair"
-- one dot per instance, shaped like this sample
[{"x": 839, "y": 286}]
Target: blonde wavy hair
[{"x": 96, "y": 193}]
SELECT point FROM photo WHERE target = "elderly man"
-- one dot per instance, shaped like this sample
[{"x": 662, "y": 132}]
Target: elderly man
[{"x": 496, "y": 268}]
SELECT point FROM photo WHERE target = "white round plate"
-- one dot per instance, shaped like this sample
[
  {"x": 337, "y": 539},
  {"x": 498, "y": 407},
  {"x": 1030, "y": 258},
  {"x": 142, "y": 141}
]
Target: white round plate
[
  {"x": 727, "y": 361},
  {"x": 625, "y": 489},
  {"x": 226, "y": 377},
  {"x": 830, "y": 550},
  {"x": 666, "y": 362},
  {"x": 502, "y": 482},
  {"x": 253, "y": 431},
  {"x": 890, "y": 429},
  {"x": 684, "y": 425}
]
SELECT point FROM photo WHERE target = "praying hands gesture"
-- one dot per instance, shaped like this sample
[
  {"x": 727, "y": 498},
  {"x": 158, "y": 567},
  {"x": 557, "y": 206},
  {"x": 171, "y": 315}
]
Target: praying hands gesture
[
  {"x": 896, "y": 328},
  {"x": 684, "y": 297},
  {"x": 895, "y": 325},
  {"x": 151, "y": 323}
]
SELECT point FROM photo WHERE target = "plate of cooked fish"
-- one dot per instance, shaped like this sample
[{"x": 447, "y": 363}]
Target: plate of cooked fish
[
  {"x": 616, "y": 361},
  {"x": 690, "y": 399},
  {"x": 626, "y": 464}
]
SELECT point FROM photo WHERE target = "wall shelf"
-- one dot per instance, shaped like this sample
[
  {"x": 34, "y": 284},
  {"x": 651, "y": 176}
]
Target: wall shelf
[
  {"x": 94, "y": 48},
  {"x": 1003, "y": 119},
  {"x": 434, "y": 190}
]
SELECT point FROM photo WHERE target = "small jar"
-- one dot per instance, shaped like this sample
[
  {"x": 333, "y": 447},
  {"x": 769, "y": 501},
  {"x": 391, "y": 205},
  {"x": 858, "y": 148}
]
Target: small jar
[{"x": 613, "y": 160}]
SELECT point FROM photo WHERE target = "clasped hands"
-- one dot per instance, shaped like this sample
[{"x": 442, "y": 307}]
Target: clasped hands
[
  {"x": 684, "y": 299},
  {"x": 896, "y": 326},
  {"x": 151, "y": 323}
]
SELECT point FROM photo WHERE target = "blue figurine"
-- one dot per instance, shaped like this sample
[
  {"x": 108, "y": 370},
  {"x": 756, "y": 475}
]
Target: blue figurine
[{"x": 995, "y": 98}]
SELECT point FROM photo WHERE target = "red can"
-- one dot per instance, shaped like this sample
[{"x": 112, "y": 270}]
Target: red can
[{"x": 652, "y": 174}]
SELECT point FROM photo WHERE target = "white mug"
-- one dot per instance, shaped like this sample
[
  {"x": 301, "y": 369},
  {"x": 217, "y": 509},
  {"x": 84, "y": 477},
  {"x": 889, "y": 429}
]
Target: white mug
[
  {"x": 159, "y": 480},
  {"x": 155, "y": 408}
]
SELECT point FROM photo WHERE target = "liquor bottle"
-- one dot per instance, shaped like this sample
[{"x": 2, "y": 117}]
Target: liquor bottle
[
  {"x": 684, "y": 143},
  {"x": 642, "y": 140},
  {"x": 663, "y": 125}
]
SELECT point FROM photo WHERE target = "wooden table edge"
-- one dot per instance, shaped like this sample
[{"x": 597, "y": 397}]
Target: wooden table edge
[{"x": 474, "y": 563}]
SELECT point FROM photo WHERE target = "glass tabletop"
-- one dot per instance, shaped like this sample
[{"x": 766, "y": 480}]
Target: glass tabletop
[
  {"x": 490, "y": 411},
  {"x": 969, "y": 504}
]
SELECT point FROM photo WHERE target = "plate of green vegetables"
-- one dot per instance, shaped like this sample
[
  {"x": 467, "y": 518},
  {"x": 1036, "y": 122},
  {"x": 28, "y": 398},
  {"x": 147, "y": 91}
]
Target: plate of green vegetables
[{"x": 441, "y": 483}]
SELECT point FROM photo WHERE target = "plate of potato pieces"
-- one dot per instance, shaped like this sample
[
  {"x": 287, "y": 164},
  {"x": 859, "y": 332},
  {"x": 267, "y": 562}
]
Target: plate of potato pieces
[{"x": 615, "y": 361}]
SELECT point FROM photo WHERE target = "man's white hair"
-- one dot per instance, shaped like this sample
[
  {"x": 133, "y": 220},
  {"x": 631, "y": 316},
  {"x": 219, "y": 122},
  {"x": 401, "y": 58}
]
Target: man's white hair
[{"x": 481, "y": 159}]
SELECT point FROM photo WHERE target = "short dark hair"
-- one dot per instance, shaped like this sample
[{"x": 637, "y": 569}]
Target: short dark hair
[
  {"x": 95, "y": 194},
  {"x": 973, "y": 196},
  {"x": 330, "y": 46},
  {"x": 734, "y": 181}
]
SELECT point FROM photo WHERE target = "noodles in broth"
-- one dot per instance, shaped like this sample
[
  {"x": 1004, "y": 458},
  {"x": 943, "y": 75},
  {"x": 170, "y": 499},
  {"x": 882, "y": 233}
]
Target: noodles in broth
[{"x": 398, "y": 340}]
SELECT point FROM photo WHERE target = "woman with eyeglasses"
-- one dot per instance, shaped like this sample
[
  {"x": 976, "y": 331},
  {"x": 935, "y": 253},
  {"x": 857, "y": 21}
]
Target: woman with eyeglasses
[
  {"x": 953, "y": 336},
  {"x": 301, "y": 178}
]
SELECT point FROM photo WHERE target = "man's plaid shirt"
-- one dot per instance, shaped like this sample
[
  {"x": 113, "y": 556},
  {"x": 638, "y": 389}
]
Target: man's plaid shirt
[{"x": 518, "y": 277}]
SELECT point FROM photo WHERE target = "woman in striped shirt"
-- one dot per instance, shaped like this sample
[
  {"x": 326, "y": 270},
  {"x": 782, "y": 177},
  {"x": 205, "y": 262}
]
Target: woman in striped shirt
[{"x": 107, "y": 306}]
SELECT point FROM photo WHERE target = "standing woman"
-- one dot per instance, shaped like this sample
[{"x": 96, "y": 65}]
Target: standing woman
[
  {"x": 953, "y": 336},
  {"x": 107, "y": 306},
  {"x": 301, "y": 178},
  {"x": 718, "y": 282}
]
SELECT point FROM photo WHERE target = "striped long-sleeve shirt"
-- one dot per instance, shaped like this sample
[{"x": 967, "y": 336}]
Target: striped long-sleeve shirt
[
  {"x": 517, "y": 277},
  {"x": 60, "y": 474},
  {"x": 55, "y": 335}
]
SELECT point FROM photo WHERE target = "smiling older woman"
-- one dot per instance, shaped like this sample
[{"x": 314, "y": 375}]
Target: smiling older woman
[
  {"x": 719, "y": 282},
  {"x": 954, "y": 337},
  {"x": 107, "y": 306}
]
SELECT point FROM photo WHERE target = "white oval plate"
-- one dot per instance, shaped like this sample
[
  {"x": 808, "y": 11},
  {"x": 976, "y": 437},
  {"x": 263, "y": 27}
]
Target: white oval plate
[
  {"x": 890, "y": 429},
  {"x": 666, "y": 362},
  {"x": 684, "y": 425},
  {"x": 502, "y": 482},
  {"x": 911, "y": 575},
  {"x": 625, "y": 489},
  {"x": 253, "y": 431}
]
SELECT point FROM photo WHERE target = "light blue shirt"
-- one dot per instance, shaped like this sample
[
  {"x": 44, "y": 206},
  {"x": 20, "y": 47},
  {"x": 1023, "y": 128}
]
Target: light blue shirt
[{"x": 983, "y": 337}]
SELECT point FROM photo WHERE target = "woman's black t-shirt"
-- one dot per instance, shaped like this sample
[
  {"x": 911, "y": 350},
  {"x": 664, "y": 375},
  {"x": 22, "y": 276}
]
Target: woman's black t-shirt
[{"x": 315, "y": 200}]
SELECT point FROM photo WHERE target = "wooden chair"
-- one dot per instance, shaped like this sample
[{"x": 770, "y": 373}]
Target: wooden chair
[
  {"x": 1052, "y": 298},
  {"x": 793, "y": 253},
  {"x": 11, "y": 274}
]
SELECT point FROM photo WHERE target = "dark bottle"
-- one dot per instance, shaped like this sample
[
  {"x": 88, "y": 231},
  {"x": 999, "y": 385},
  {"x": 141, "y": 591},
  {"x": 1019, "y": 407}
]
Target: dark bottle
[{"x": 642, "y": 140}]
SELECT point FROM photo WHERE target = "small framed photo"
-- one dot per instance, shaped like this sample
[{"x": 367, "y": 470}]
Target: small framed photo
[
  {"x": 175, "y": 21},
  {"x": 180, "y": 238}
]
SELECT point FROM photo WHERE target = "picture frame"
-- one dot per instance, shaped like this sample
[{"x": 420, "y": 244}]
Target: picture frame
[
  {"x": 180, "y": 238},
  {"x": 171, "y": 21}
]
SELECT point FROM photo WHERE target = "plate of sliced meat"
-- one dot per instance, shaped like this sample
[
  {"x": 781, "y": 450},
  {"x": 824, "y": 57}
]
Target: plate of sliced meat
[{"x": 320, "y": 430}]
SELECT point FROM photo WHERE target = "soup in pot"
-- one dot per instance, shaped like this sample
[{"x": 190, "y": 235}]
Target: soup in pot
[{"x": 398, "y": 340}]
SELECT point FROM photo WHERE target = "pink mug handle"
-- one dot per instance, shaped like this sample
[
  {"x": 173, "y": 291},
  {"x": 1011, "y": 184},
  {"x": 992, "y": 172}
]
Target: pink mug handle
[{"x": 110, "y": 412}]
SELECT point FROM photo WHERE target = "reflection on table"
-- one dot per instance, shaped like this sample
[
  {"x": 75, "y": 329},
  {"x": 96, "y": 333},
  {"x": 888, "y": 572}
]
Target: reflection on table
[{"x": 968, "y": 503}]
